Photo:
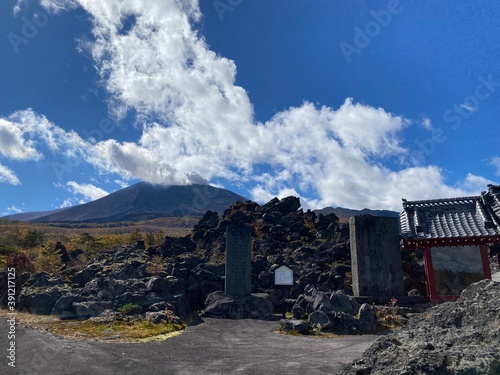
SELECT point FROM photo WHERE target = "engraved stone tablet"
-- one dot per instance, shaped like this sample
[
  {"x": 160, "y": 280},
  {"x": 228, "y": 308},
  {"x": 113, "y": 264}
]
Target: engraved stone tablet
[
  {"x": 238, "y": 260},
  {"x": 376, "y": 257}
]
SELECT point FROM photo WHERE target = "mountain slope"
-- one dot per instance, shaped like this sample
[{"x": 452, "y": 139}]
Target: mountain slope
[
  {"x": 347, "y": 212},
  {"x": 30, "y": 216},
  {"x": 145, "y": 201}
]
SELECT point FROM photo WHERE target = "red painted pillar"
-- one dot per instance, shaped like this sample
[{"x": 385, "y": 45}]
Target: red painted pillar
[
  {"x": 486, "y": 263},
  {"x": 429, "y": 273}
]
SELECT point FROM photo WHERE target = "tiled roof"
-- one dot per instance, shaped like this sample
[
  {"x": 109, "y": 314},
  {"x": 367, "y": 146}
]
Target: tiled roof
[
  {"x": 492, "y": 199},
  {"x": 474, "y": 216}
]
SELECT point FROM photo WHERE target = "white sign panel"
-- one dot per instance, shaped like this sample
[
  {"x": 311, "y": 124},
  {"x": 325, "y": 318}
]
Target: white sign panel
[{"x": 283, "y": 276}]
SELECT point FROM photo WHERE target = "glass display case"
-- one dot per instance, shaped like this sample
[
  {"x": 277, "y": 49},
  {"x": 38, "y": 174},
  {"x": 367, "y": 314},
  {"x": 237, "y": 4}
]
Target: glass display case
[{"x": 455, "y": 268}]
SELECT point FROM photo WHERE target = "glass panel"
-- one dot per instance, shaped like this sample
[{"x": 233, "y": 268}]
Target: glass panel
[{"x": 456, "y": 267}]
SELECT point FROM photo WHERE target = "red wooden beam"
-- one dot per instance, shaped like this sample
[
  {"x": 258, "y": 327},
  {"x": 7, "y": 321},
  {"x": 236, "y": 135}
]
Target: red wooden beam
[
  {"x": 415, "y": 243},
  {"x": 412, "y": 243}
]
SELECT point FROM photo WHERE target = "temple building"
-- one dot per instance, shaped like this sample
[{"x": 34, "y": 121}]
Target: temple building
[{"x": 455, "y": 235}]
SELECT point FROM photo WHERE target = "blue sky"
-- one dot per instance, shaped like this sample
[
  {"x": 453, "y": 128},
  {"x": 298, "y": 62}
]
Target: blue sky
[{"x": 343, "y": 103}]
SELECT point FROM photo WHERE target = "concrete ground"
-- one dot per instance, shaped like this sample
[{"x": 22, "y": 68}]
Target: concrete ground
[{"x": 215, "y": 346}]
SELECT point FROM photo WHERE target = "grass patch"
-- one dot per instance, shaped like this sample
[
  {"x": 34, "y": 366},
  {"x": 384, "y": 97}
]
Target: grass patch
[
  {"x": 115, "y": 331},
  {"x": 118, "y": 331},
  {"x": 291, "y": 333},
  {"x": 314, "y": 333}
]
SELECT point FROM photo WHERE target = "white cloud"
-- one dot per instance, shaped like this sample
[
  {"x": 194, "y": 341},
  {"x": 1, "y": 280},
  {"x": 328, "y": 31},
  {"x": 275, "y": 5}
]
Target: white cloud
[
  {"x": 122, "y": 184},
  {"x": 67, "y": 203},
  {"x": 38, "y": 126},
  {"x": 13, "y": 143},
  {"x": 8, "y": 176},
  {"x": 475, "y": 183},
  {"x": 14, "y": 209},
  {"x": 427, "y": 123},
  {"x": 11, "y": 210},
  {"x": 261, "y": 194},
  {"x": 56, "y": 6},
  {"x": 89, "y": 191},
  {"x": 469, "y": 107},
  {"x": 496, "y": 163}
]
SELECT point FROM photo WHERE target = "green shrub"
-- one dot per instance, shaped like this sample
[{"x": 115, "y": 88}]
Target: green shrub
[{"x": 130, "y": 309}]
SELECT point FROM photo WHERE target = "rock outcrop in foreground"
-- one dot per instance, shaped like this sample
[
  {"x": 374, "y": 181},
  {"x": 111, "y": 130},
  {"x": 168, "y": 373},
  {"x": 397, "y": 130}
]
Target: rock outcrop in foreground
[
  {"x": 335, "y": 312},
  {"x": 461, "y": 337}
]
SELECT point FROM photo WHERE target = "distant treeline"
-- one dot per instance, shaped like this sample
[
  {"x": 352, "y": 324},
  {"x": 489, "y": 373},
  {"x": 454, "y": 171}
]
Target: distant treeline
[{"x": 37, "y": 239}]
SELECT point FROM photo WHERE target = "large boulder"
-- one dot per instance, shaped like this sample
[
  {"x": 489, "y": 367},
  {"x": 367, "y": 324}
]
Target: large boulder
[
  {"x": 85, "y": 310},
  {"x": 367, "y": 321},
  {"x": 319, "y": 320},
  {"x": 295, "y": 325},
  {"x": 131, "y": 269},
  {"x": 344, "y": 303},
  {"x": 64, "y": 305},
  {"x": 322, "y": 303},
  {"x": 453, "y": 338},
  {"x": 209, "y": 221},
  {"x": 288, "y": 205},
  {"x": 43, "y": 279},
  {"x": 106, "y": 288},
  {"x": 84, "y": 276},
  {"x": 40, "y": 300},
  {"x": 157, "y": 317},
  {"x": 343, "y": 324},
  {"x": 339, "y": 313},
  {"x": 220, "y": 305},
  {"x": 161, "y": 285},
  {"x": 173, "y": 246}
]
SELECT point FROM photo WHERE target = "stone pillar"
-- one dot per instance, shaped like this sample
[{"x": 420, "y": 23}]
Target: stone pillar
[
  {"x": 238, "y": 260},
  {"x": 376, "y": 256}
]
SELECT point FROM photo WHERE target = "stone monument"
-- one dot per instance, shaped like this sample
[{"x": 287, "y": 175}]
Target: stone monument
[
  {"x": 238, "y": 260},
  {"x": 376, "y": 256},
  {"x": 237, "y": 302}
]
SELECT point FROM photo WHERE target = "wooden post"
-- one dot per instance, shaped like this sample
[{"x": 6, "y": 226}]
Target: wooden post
[
  {"x": 429, "y": 272},
  {"x": 486, "y": 263}
]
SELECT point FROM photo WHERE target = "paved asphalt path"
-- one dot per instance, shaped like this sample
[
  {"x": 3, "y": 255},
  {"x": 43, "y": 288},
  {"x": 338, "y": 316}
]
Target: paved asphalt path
[{"x": 215, "y": 346}]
